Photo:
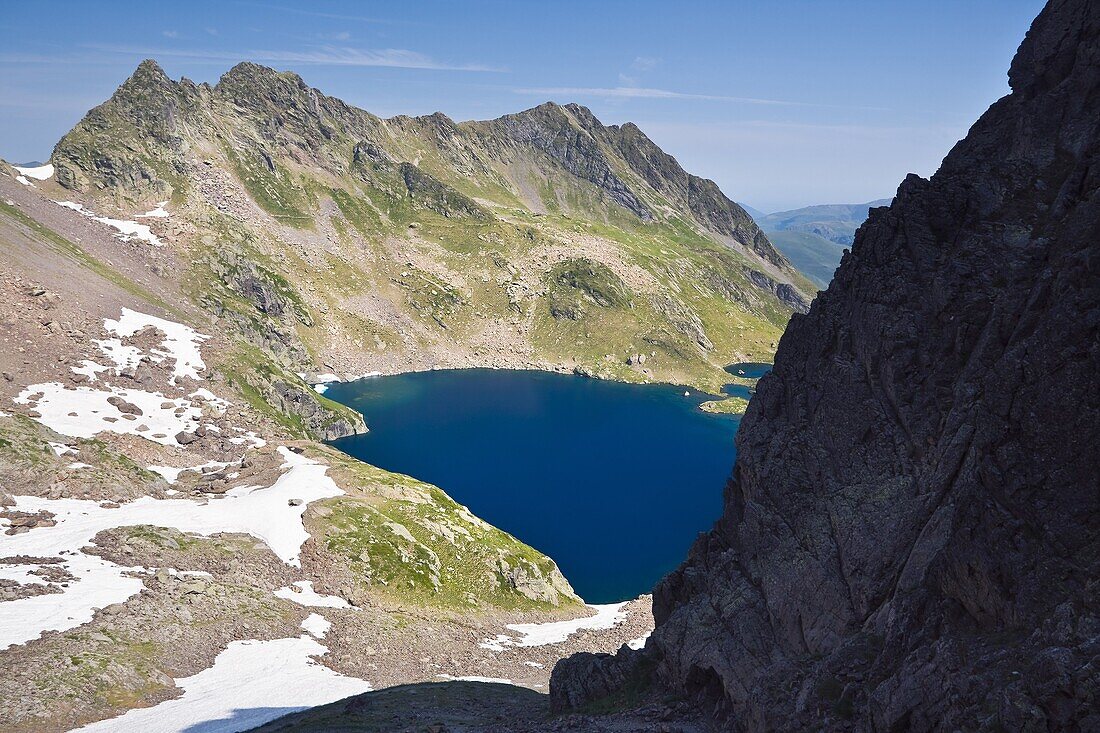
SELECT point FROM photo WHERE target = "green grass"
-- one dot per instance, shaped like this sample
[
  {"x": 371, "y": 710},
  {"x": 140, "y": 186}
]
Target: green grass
[
  {"x": 451, "y": 557},
  {"x": 253, "y": 375},
  {"x": 728, "y": 406},
  {"x": 816, "y": 257},
  {"x": 272, "y": 187}
]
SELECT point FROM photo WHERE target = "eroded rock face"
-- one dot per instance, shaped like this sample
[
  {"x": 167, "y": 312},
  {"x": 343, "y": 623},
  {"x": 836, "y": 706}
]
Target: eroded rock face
[{"x": 911, "y": 535}]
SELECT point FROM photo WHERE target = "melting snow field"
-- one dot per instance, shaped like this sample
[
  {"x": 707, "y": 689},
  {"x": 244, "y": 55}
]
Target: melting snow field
[
  {"x": 607, "y": 616},
  {"x": 181, "y": 342},
  {"x": 38, "y": 173},
  {"x": 261, "y": 512},
  {"x": 250, "y": 683},
  {"x": 83, "y": 412},
  {"x": 126, "y": 229}
]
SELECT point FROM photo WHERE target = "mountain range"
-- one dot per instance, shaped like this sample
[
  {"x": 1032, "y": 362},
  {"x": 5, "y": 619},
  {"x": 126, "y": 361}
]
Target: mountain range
[
  {"x": 181, "y": 278},
  {"x": 813, "y": 238}
]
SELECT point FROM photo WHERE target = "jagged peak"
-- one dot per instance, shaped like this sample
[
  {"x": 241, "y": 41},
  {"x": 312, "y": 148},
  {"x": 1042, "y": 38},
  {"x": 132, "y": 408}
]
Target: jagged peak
[
  {"x": 1051, "y": 48},
  {"x": 249, "y": 73},
  {"x": 437, "y": 119},
  {"x": 151, "y": 67},
  {"x": 148, "y": 74}
]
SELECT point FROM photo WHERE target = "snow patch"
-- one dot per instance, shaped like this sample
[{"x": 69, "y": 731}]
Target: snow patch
[
  {"x": 171, "y": 474},
  {"x": 83, "y": 412},
  {"x": 475, "y": 678},
  {"x": 317, "y": 625},
  {"x": 181, "y": 342},
  {"x": 126, "y": 229},
  {"x": 306, "y": 596},
  {"x": 250, "y": 438},
  {"x": 60, "y": 449},
  {"x": 38, "y": 173},
  {"x": 157, "y": 213},
  {"x": 607, "y": 616},
  {"x": 25, "y": 182},
  {"x": 89, "y": 369},
  {"x": 119, "y": 354},
  {"x": 639, "y": 642},
  {"x": 264, "y": 513},
  {"x": 251, "y": 683}
]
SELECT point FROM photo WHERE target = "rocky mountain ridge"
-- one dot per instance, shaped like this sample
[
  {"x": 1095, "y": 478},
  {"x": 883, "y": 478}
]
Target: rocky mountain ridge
[
  {"x": 911, "y": 534},
  {"x": 455, "y": 234}
]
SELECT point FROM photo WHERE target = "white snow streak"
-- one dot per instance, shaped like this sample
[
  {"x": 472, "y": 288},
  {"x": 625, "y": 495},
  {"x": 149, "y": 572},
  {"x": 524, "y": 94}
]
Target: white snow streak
[
  {"x": 38, "y": 173},
  {"x": 306, "y": 596},
  {"x": 250, "y": 683},
  {"x": 476, "y": 678},
  {"x": 607, "y": 616},
  {"x": 127, "y": 229}
]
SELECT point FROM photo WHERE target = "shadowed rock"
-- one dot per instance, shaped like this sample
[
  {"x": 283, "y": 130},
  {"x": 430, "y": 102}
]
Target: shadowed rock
[{"x": 911, "y": 534}]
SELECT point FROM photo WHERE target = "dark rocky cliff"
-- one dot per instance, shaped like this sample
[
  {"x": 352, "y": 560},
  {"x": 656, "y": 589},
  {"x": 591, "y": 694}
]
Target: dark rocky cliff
[{"x": 911, "y": 534}]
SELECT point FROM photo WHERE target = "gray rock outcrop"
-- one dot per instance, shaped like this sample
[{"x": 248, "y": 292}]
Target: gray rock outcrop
[{"x": 911, "y": 534}]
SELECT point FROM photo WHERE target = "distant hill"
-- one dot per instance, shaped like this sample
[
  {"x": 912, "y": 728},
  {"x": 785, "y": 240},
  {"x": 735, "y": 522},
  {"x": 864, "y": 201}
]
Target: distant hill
[
  {"x": 813, "y": 238},
  {"x": 835, "y": 222},
  {"x": 756, "y": 214},
  {"x": 815, "y": 257}
]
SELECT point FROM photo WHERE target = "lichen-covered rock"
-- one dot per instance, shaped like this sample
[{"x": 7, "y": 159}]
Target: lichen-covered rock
[
  {"x": 911, "y": 535},
  {"x": 318, "y": 419}
]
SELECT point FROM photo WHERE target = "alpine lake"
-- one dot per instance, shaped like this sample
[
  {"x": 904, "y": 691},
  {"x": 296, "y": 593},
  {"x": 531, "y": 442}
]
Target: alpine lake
[{"x": 612, "y": 480}]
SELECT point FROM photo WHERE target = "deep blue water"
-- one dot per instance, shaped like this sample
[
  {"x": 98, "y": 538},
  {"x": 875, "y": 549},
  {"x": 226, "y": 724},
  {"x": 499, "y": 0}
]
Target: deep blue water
[
  {"x": 614, "y": 481},
  {"x": 747, "y": 370}
]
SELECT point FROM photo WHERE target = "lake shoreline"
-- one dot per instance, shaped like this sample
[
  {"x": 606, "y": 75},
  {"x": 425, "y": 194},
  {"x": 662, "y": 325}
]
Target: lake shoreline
[
  {"x": 321, "y": 384},
  {"x": 519, "y": 446}
]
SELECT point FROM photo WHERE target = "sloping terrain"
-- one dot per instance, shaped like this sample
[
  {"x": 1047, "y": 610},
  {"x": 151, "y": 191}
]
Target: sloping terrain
[
  {"x": 911, "y": 535},
  {"x": 540, "y": 239},
  {"x": 835, "y": 222},
  {"x": 175, "y": 281},
  {"x": 812, "y": 255}
]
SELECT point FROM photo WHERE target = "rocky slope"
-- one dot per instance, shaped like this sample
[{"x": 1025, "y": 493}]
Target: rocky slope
[
  {"x": 179, "y": 275},
  {"x": 345, "y": 242},
  {"x": 911, "y": 534},
  {"x": 169, "y": 519}
]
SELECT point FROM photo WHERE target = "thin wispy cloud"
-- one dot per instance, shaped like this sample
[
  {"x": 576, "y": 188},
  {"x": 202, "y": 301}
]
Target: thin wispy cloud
[
  {"x": 634, "y": 92},
  {"x": 315, "y": 13},
  {"x": 399, "y": 58},
  {"x": 170, "y": 34}
]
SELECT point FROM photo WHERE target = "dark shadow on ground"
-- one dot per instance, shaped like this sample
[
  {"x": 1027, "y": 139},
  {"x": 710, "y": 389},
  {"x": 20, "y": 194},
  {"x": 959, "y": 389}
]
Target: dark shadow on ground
[
  {"x": 453, "y": 707},
  {"x": 241, "y": 719}
]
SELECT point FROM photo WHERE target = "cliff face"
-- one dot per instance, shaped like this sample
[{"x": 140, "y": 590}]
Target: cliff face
[{"x": 911, "y": 534}]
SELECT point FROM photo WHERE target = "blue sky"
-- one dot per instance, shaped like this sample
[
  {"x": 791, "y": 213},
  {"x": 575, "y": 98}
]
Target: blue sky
[{"x": 784, "y": 103}]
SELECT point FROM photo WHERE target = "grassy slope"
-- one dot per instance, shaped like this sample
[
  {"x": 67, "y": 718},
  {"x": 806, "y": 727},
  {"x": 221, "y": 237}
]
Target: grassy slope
[{"x": 815, "y": 256}]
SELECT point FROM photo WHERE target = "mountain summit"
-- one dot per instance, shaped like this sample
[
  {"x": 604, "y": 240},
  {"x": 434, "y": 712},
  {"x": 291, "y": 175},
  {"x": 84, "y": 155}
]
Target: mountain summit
[{"x": 489, "y": 243}]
